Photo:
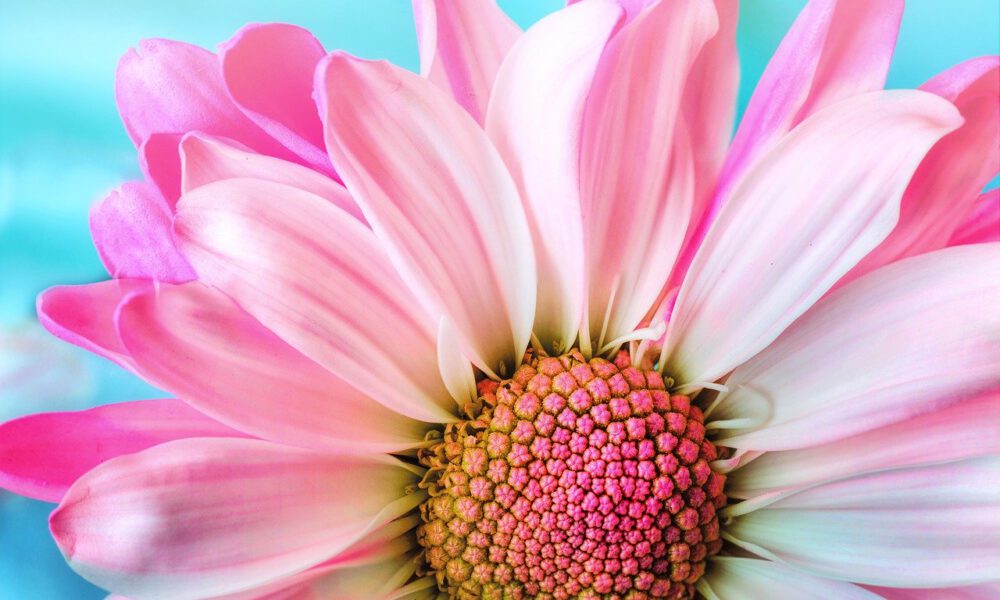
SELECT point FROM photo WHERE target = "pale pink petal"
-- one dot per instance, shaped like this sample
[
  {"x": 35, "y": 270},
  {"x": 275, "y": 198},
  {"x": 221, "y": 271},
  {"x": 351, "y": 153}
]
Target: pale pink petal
[
  {"x": 834, "y": 50},
  {"x": 268, "y": 70},
  {"x": 535, "y": 117},
  {"x": 196, "y": 343},
  {"x": 438, "y": 196},
  {"x": 456, "y": 370},
  {"x": 163, "y": 86},
  {"x": 42, "y": 455},
  {"x": 731, "y": 577},
  {"x": 987, "y": 591},
  {"x": 131, "y": 228},
  {"x": 205, "y": 159},
  {"x": 636, "y": 183},
  {"x": 709, "y": 105},
  {"x": 83, "y": 315},
  {"x": 929, "y": 526},
  {"x": 203, "y": 517},
  {"x": 160, "y": 162},
  {"x": 461, "y": 47},
  {"x": 966, "y": 428},
  {"x": 792, "y": 228},
  {"x": 319, "y": 279},
  {"x": 945, "y": 187},
  {"x": 911, "y": 338},
  {"x": 377, "y": 556},
  {"x": 983, "y": 223}
]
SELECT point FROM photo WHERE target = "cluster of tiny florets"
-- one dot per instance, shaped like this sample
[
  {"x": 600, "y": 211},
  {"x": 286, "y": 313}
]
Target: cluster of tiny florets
[{"x": 574, "y": 478}]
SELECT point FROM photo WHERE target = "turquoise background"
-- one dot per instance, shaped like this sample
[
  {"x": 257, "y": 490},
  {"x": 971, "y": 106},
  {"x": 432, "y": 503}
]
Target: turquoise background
[{"x": 62, "y": 147}]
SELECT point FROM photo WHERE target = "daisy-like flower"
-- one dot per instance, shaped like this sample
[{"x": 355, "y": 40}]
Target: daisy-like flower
[{"x": 529, "y": 325}]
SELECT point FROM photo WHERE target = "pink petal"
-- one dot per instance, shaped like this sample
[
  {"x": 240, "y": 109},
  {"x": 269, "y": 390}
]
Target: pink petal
[
  {"x": 197, "y": 343},
  {"x": 319, "y": 279},
  {"x": 916, "y": 337},
  {"x": 987, "y": 591},
  {"x": 172, "y": 87},
  {"x": 132, "y": 232},
  {"x": 535, "y": 118},
  {"x": 438, "y": 197},
  {"x": 456, "y": 370},
  {"x": 931, "y": 526},
  {"x": 42, "y": 455},
  {"x": 268, "y": 70},
  {"x": 203, "y": 517},
  {"x": 161, "y": 164},
  {"x": 945, "y": 187},
  {"x": 983, "y": 224},
  {"x": 968, "y": 427},
  {"x": 461, "y": 47},
  {"x": 206, "y": 159},
  {"x": 83, "y": 315},
  {"x": 636, "y": 183},
  {"x": 769, "y": 257},
  {"x": 735, "y": 577},
  {"x": 709, "y": 105},
  {"x": 835, "y": 49}
]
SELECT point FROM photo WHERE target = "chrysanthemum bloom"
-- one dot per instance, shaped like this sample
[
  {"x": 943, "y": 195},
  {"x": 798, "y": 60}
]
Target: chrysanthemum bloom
[{"x": 530, "y": 326}]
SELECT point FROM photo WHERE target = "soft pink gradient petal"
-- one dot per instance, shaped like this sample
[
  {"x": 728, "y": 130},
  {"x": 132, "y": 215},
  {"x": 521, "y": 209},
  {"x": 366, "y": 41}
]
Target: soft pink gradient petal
[
  {"x": 42, "y": 455},
  {"x": 791, "y": 230},
  {"x": 911, "y": 338},
  {"x": 967, "y": 427},
  {"x": 461, "y": 47},
  {"x": 439, "y": 198},
  {"x": 198, "y": 344},
  {"x": 983, "y": 223},
  {"x": 131, "y": 228},
  {"x": 734, "y": 577},
  {"x": 988, "y": 591},
  {"x": 928, "y": 526},
  {"x": 377, "y": 556},
  {"x": 318, "y": 278},
  {"x": 835, "y": 49},
  {"x": 83, "y": 315},
  {"x": 456, "y": 370},
  {"x": 163, "y": 86},
  {"x": 945, "y": 187},
  {"x": 268, "y": 70},
  {"x": 534, "y": 118},
  {"x": 636, "y": 182},
  {"x": 161, "y": 164},
  {"x": 709, "y": 105},
  {"x": 205, "y": 159},
  {"x": 203, "y": 517}
]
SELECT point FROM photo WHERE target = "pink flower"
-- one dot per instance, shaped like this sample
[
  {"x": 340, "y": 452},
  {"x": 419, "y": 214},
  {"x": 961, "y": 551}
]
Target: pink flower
[{"x": 531, "y": 325}]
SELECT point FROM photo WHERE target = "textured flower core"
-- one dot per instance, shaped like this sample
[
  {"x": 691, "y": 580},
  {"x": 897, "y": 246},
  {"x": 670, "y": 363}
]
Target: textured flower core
[{"x": 573, "y": 478}]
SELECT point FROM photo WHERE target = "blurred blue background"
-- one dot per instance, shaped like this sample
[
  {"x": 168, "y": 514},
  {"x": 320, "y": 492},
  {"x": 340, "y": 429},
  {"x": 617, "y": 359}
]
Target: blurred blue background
[{"x": 62, "y": 147}]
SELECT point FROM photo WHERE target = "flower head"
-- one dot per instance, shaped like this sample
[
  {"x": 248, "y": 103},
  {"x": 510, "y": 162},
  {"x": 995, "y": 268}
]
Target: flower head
[{"x": 529, "y": 325}]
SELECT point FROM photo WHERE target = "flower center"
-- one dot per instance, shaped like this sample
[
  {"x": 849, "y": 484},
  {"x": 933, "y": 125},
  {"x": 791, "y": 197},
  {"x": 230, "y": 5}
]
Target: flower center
[{"x": 573, "y": 478}]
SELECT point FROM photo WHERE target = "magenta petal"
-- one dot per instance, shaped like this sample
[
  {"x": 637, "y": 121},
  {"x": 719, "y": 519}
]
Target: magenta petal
[
  {"x": 160, "y": 161},
  {"x": 42, "y": 455},
  {"x": 268, "y": 70},
  {"x": 164, "y": 86},
  {"x": 132, "y": 232},
  {"x": 83, "y": 315},
  {"x": 983, "y": 225}
]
